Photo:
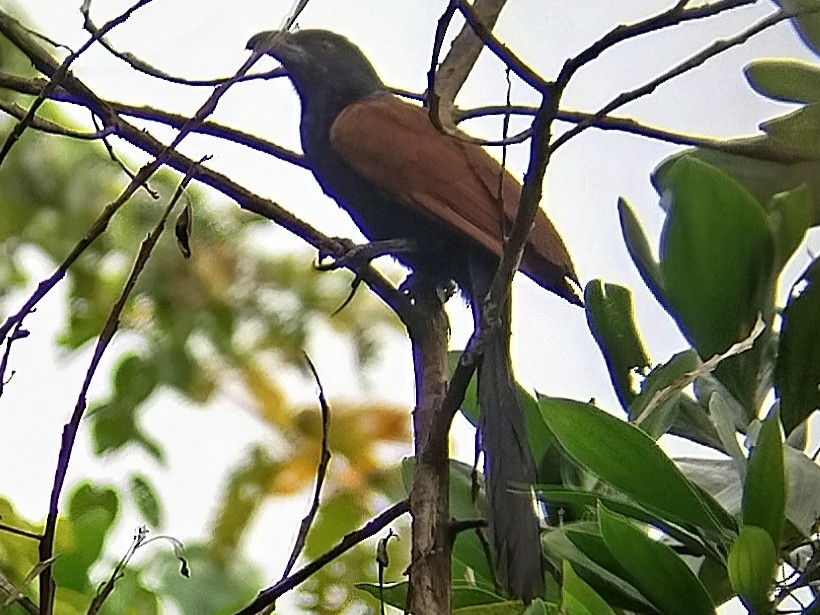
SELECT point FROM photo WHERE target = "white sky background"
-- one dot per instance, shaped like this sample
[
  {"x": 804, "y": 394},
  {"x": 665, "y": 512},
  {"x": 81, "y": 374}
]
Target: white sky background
[{"x": 553, "y": 349}]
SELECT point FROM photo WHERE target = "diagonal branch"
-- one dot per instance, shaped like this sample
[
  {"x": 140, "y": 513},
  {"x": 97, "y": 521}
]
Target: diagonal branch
[
  {"x": 673, "y": 16},
  {"x": 268, "y": 596},
  {"x": 46, "y": 548},
  {"x": 58, "y": 75},
  {"x": 693, "y": 62}
]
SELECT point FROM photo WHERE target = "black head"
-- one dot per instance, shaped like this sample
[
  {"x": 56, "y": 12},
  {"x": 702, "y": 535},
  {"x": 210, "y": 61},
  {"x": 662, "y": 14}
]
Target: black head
[{"x": 321, "y": 64}]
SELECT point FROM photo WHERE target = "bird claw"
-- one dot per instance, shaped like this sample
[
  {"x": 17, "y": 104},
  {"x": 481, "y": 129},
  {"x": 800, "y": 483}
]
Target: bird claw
[{"x": 357, "y": 255}]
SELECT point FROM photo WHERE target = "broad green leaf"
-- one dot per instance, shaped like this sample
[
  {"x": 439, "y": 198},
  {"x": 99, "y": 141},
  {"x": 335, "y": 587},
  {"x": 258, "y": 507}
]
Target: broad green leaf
[
  {"x": 585, "y": 503},
  {"x": 132, "y": 595},
  {"x": 638, "y": 247},
  {"x": 763, "y": 176},
  {"x": 606, "y": 578},
  {"x": 797, "y": 372},
  {"x": 134, "y": 379},
  {"x": 578, "y": 598},
  {"x": 655, "y": 408},
  {"x": 804, "y": 484},
  {"x": 715, "y": 578},
  {"x": 790, "y": 215},
  {"x": 799, "y": 129},
  {"x": 652, "y": 565},
  {"x": 91, "y": 513},
  {"x": 629, "y": 460},
  {"x": 720, "y": 411},
  {"x": 764, "y": 491},
  {"x": 786, "y": 79},
  {"x": 537, "y": 607},
  {"x": 717, "y": 249},
  {"x": 806, "y": 24},
  {"x": 610, "y": 317},
  {"x": 147, "y": 501},
  {"x": 752, "y": 565},
  {"x": 213, "y": 587},
  {"x": 465, "y": 597}
]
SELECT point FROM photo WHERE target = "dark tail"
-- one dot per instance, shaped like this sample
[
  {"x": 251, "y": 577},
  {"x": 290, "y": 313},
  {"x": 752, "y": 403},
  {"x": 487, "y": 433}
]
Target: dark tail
[{"x": 508, "y": 462}]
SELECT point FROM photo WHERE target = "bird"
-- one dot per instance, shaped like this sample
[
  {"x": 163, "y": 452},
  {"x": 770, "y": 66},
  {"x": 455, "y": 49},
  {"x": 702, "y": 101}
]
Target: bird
[{"x": 398, "y": 177}]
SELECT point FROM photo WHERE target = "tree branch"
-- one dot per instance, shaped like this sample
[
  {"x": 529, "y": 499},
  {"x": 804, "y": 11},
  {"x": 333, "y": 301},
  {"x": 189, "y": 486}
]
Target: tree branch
[
  {"x": 694, "y": 61},
  {"x": 271, "y": 594}
]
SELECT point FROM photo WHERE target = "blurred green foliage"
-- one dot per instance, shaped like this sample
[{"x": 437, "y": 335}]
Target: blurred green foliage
[{"x": 228, "y": 318}]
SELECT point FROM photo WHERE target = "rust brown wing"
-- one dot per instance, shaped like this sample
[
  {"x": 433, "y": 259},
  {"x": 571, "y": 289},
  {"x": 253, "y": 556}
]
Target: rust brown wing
[{"x": 447, "y": 179}]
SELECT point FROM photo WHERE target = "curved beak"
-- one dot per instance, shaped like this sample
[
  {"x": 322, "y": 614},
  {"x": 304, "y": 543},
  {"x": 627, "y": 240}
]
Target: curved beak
[{"x": 276, "y": 43}]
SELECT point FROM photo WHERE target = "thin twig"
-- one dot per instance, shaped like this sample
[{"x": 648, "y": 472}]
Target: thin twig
[
  {"x": 691, "y": 63},
  {"x": 145, "y": 68},
  {"x": 271, "y": 594},
  {"x": 504, "y": 53},
  {"x": 321, "y": 472},
  {"x": 750, "y": 147},
  {"x": 673, "y": 16},
  {"x": 43, "y": 125},
  {"x": 16, "y": 530},
  {"x": 18, "y": 334},
  {"x": 59, "y": 75},
  {"x": 72, "y": 426},
  {"x": 34, "y": 87}
]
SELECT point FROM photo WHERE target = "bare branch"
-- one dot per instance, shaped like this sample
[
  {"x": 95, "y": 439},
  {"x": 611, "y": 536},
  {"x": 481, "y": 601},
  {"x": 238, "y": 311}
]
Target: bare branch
[
  {"x": 271, "y": 594},
  {"x": 35, "y": 86},
  {"x": 675, "y": 15},
  {"x": 58, "y": 75},
  {"x": 751, "y": 147},
  {"x": 696, "y": 60},
  {"x": 70, "y": 429},
  {"x": 321, "y": 472}
]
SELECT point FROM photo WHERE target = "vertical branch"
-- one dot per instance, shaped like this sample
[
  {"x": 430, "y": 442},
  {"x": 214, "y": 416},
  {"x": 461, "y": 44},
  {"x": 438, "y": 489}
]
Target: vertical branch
[{"x": 429, "y": 592}]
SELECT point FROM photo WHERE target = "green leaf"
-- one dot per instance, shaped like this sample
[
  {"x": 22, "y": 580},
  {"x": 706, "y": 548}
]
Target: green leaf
[
  {"x": 91, "y": 513},
  {"x": 786, "y": 79},
  {"x": 807, "y": 24},
  {"x": 585, "y": 503},
  {"x": 715, "y": 579},
  {"x": 752, "y": 565},
  {"x": 134, "y": 380},
  {"x": 610, "y": 316},
  {"x": 592, "y": 561},
  {"x": 653, "y": 565},
  {"x": 629, "y": 460},
  {"x": 723, "y": 418},
  {"x": 804, "y": 485},
  {"x": 655, "y": 392},
  {"x": 799, "y": 129},
  {"x": 147, "y": 500},
  {"x": 716, "y": 250},
  {"x": 466, "y": 599},
  {"x": 797, "y": 371},
  {"x": 579, "y": 598},
  {"x": 213, "y": 586},
  {"x": 764, "y": 491},
  {"x": 790, "y": 215},
  {"x": 638, "y": 247}
]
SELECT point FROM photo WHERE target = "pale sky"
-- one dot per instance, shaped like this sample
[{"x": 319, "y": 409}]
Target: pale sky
[{"x": 553, "y": 349}]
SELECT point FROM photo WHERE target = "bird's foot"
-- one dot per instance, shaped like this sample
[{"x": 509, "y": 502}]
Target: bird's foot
[{"x": 356, "y": 255}]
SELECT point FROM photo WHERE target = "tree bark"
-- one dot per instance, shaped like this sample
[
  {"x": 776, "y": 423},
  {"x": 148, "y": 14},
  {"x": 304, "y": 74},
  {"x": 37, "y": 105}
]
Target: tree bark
[{"x": 429, "y": 590}]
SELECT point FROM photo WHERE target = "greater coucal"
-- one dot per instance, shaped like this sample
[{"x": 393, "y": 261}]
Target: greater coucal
[{"x": 398, "y": 177}]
